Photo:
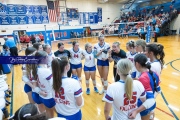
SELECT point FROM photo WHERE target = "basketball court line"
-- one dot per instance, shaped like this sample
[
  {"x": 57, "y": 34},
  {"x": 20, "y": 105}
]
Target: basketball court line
[{"x": 173, "y": 66}]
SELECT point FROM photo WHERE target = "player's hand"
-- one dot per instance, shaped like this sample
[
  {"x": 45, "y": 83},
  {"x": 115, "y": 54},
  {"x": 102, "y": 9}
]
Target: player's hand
[
  {"x": 44, "y": 94},
  {"x": 132, "y": 115}
]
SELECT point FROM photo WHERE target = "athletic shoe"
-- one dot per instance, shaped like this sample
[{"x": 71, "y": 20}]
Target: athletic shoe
[
  {"x": 101, "y": 92},
  {"x": 96, "y": 90},
  {"x": 87, "y": 91}
]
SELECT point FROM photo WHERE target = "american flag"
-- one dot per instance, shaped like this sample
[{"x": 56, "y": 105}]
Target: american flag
[{"x": 53, "y": 10}]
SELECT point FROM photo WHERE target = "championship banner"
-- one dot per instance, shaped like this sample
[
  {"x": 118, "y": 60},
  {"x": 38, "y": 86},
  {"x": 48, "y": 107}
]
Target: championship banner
[{"x": 17, "y": 14}]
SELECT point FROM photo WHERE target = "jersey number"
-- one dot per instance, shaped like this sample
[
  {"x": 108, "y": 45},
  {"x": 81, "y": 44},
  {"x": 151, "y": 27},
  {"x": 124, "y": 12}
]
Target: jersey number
[
  {"x": 127, "y": 101},
  {"x": 75, "y": 55},
  {"x": 60, "y": 94}
]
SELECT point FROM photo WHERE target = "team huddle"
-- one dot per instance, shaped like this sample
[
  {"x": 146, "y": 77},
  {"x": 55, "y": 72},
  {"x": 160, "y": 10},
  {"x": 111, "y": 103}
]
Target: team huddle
[{"x": 57, "y": 84}]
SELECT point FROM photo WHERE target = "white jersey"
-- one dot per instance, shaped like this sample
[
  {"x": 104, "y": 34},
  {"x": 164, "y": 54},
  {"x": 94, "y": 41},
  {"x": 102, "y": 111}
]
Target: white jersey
[
  {"x": 66, "y": 102},
  {"x": 131, "y": 56},
  {"x": 156, "y": 67},
  {"x": 99, "y": 48},
  {"x": 76, "y": 56},
  {"x": 50, "y": 58},
  {"x": 45, "y": 81},
  {"x": 89, "y": 59},
  {"x": 121, "y": 105}
]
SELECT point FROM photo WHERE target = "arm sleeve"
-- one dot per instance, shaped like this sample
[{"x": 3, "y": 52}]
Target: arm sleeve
[
  {"x": 49, "y": 76},
  {"x": 77, "y": 89},
  {"x": 109, "y": 95}
]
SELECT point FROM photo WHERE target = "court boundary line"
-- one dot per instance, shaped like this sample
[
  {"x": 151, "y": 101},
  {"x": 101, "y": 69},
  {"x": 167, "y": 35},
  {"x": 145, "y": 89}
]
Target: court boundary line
[{"x": 162, "y": 95}]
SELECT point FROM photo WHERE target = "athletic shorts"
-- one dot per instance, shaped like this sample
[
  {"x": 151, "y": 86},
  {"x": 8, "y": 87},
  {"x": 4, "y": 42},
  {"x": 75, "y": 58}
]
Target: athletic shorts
[
  {"x": 76, "y": 66},
  {"x": 89, "y": 68},
  {"x": 27, "y": 88},
  {"x": 102, "y": 63},
  {"x": 35, "y": 97},
  {"x": 76, "y": 116},
  {"x": 147, "y": 111},
  {"x": 49, "y": 103}
]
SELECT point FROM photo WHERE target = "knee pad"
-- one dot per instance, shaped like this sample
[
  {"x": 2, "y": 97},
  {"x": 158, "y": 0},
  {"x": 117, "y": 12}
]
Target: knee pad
[
  {"x": 87, "y": 81},
  {"x": 94, "y": 81}
]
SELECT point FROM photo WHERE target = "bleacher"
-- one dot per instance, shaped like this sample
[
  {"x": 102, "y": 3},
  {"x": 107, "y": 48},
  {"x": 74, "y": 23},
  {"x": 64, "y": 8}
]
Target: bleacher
[{"x": 165, "y": 13}]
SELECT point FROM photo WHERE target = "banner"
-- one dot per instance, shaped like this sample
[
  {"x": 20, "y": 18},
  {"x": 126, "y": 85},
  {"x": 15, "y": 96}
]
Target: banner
[
  {"x": 14, "y": 14},
  {"x": 99, "y": 12},
  {"x": 148, "y": 35}
]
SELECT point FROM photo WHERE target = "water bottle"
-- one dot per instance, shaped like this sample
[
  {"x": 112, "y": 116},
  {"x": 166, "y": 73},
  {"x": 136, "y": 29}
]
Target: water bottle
[{"x": 95, "y": 53}]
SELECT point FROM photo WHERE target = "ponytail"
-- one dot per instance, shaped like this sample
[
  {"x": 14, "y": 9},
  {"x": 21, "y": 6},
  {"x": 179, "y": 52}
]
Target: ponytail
[
  {"x": 129, "y": 87},
  {"x": 58, "y": 67},
  {"x": 34, "y": 71},
  {"x": 148, "y": 66},
  {"x": 161, "y": 54},
  {"x": 57, "y": 75}
]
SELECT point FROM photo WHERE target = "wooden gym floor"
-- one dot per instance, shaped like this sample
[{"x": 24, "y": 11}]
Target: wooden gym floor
[{"x": 93, "y": 108}]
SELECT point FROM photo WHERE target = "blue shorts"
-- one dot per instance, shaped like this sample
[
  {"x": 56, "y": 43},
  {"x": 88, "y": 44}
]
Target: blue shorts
[
  {"x": 49, "y": 103},
  {"x": 102, "y": 63},
  {"x": 76, "y": 116},
  {"x": 89, "y": 68},
  {"x": 147, "y": 111},
  {"x": 133, "y": 74},
  {"x": 27, "y": 88},
  {"x": 35, "y": 97},
  {"x": 76, "y": 66}
]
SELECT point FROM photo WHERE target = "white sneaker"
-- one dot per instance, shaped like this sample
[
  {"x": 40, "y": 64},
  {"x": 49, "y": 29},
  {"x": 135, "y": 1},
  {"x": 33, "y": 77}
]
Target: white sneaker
[
  {"x": 103, "y": 99},
  {"x": 101, "y": 92}
]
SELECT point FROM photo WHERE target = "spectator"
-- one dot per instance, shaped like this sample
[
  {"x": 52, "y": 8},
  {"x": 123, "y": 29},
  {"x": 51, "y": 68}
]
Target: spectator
[
  {"x": 156, "y": 34},
  {"x": 11, "y": 45},
  {"x": 6, "y": 51},
  {"x": 33, "y": 39}
]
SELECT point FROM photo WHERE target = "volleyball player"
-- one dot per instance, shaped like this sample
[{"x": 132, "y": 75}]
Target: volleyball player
[
  {"x": 140, "y": 46},
  {"x": 150, "y": 81},
  {"x": 43, "y": 77},
  {"x": 156, "y": 54},
  {"x": 131, "y": 55},
  {"x": 116, "y": 55},
  {"x": 47, "y": 49},
  {"x": 63, "y": 52},
  {"x": 124, "y": 95},
  {"x": 28, "y": 112},
  {"x": 102, "y": 48},
  {"x": 67, "y": 91},
  {"x": 76, "y": 56},
  {"x": 38, "y": 46},
  {"x": 26, "y": 75},
  {"x": 89, "y": 67}
]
